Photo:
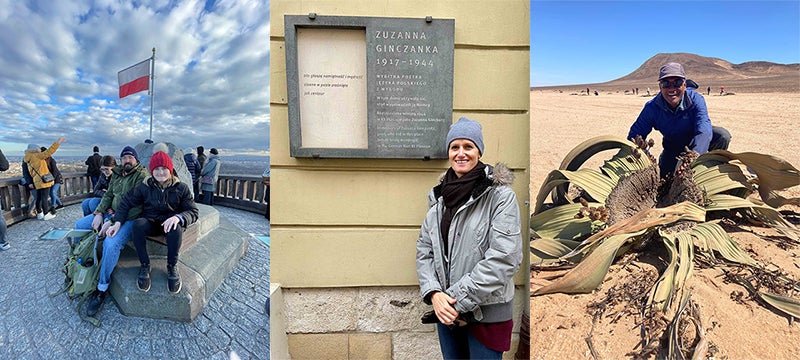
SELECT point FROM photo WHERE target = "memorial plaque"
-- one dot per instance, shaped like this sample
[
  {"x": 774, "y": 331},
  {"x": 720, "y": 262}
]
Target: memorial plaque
[{"x": 369, "y": 87}]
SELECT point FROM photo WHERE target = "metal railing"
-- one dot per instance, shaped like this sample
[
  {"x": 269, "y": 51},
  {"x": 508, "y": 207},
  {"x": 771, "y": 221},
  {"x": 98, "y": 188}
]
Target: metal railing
[{"x": 244, "y": 192}]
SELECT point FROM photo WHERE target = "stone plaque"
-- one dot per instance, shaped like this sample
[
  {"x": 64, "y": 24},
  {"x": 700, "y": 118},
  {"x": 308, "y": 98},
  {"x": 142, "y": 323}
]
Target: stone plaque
[{"x": 369, "y": 87}]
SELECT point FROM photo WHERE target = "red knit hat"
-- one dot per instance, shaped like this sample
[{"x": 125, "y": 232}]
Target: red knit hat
[{"x": 160, "y": 158}]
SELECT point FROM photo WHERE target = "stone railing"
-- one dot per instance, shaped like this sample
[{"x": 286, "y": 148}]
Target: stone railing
[
  {"x": 245, "y": 192},
  {"x": 237, "y": 191}
]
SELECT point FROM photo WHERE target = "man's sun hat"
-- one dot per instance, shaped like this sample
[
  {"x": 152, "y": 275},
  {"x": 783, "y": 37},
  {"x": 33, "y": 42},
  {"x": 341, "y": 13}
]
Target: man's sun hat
[{"x": 671, "y": 70}]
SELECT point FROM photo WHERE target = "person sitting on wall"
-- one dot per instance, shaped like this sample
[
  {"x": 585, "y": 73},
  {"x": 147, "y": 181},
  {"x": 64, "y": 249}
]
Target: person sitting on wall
[
  {"x": 167, "y": 208},
  {"x": 125, "y": 177},
  {"x": 107, "y": 164},
  {"x": 682, "y": 118}
]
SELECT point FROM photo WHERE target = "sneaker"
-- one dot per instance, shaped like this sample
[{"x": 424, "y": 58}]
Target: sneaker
[
  {"x": 144, "y": 278},
  {"x": 53, "y": 210},
  {"x": 95, "y": 300},
  {"x": 173, "y": 279},
  {"x": 5, "y": 246},
  {"x": 48, "y": 216},
  {"x": 40, "y": 216}
]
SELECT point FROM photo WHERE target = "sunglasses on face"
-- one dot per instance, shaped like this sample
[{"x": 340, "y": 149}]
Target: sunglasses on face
[{"x": 676, "y": 83}]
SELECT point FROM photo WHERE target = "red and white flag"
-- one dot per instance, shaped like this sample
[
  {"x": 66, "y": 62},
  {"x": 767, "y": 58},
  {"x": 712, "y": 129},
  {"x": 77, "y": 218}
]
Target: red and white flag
[{"x": 134, "y": 79}]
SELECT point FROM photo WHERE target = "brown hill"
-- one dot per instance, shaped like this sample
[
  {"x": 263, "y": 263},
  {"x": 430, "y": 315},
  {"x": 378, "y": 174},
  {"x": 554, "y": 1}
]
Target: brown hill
[{"x": 750, "y": 77}]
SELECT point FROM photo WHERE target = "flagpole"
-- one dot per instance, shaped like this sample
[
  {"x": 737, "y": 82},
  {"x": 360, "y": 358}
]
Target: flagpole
[{"x": 152, "y": 88}]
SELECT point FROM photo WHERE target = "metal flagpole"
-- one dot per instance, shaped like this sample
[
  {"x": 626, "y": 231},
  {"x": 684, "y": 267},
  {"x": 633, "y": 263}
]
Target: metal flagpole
[{"x": 152, "y": 88}]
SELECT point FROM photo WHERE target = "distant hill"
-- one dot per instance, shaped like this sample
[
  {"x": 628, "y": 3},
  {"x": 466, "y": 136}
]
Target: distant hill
[{"x": 751, "y": 76}]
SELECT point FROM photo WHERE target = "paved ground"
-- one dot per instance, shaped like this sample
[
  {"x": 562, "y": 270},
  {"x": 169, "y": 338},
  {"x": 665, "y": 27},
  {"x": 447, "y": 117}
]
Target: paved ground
[{"x": 35, "y": 326}]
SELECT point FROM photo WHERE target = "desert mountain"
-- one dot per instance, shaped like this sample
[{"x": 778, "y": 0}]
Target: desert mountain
[{"x": 751, "y": 76}]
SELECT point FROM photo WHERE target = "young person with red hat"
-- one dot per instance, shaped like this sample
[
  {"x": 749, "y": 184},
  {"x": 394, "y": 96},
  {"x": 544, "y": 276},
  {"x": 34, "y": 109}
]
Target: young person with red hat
[{"x": 167, "y": 208}]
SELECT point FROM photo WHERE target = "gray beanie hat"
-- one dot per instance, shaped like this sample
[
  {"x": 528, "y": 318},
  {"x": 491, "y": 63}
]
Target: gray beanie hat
[
  {"x": 33, "y": 147},
  {"x": 466, "y": 129}
]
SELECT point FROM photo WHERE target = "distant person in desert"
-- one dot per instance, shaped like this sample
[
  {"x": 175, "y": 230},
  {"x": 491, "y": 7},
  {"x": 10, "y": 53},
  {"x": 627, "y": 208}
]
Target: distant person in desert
[
  {"x": 682, "y": 118},
  {"x": 721, "y": 90},
  {"x": 708, "y": 91},
  {"x": 648, "y": 91},
  {"x": 587, "y": 92}
]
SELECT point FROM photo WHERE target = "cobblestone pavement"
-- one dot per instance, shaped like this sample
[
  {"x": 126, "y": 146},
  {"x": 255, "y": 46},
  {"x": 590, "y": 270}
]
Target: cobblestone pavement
[{"x": 35, "y": 326}]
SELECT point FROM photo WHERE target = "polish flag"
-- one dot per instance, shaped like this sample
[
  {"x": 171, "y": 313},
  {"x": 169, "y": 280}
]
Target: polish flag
[{"x": 134, "y": 79}]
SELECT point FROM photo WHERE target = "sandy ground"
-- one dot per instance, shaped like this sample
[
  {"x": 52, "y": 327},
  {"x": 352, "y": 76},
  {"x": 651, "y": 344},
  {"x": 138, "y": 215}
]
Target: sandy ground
[{"x": 766, "y": 123}]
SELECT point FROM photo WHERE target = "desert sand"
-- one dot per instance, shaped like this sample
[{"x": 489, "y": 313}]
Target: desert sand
[{"x": 767, "y": 123}]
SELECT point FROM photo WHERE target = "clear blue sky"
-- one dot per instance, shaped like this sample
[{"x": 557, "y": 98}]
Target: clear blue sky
[
  {"x": 579, "y": 42},
  {"x": 59, "y": 64}
]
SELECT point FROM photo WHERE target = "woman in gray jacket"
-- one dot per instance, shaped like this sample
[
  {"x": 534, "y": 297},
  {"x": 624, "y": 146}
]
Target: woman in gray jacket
[{"x": 469, "y": 249}]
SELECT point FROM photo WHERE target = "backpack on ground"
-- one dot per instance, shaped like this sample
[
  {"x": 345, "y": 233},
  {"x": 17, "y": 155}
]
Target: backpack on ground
[{"x": 82, "y": 273}]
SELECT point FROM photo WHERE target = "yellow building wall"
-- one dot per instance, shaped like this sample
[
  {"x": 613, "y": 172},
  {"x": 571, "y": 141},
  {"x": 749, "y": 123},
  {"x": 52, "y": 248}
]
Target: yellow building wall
[{"x": 355, "y": 222}]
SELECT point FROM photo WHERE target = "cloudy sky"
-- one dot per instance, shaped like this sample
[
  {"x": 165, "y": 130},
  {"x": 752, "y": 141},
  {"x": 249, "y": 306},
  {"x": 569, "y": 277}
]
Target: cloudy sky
[{"x": 59, "y": 64}]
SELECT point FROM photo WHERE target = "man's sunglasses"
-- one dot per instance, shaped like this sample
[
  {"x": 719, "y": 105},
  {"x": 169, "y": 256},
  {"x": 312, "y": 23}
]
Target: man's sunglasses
[{"x": 671, "y": 84}]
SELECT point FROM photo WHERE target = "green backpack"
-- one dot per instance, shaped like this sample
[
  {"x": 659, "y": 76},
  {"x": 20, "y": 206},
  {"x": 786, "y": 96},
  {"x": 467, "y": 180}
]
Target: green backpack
[{"x": 82, "y": 270}]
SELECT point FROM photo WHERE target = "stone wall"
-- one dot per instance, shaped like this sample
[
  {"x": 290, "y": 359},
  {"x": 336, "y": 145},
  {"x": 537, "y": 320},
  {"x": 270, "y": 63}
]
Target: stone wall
[{"x": 366, "y": 323}]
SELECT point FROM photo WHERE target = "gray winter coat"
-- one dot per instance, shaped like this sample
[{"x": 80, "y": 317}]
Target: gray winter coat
[
  {"x": 211, "y": 168},
  {"x": 485, "y": 250}
]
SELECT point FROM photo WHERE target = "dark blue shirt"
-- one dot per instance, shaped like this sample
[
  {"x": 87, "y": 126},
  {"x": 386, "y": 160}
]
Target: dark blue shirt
[{"x": 686, "y": 126}]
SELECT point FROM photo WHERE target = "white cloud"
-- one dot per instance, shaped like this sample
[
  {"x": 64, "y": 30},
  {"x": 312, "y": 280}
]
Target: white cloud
[{"x": 59, "y": 64}]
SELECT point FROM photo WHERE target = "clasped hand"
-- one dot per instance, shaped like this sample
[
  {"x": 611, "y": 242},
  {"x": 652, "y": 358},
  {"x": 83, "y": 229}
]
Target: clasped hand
[{"x": 443, "y": 307}]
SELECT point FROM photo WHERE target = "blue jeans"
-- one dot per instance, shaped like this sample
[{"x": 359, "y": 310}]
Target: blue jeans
[
  {"x": 460, "y": 344},
  {"x": 720, "y": 138},
  {"x": 89, "y": 205},
  {"x": 54, "y": 200},
  {"x": 94, "y": 178},
  {"x": 111, "y": 249},
  {"x": 208, "y": 198},
  {"x": 2, "y": 228}
]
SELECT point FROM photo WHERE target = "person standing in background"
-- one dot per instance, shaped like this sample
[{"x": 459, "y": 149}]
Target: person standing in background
[
  {"x": 43, "y": 180},
  {"x": 201, "y": 159},
  {"x": 93, "y": 162},
  {"x": 208, "y": 177},
  {"x": 3, "y": 241},
  {"x": 194, "y": 169},
  {"x": 55, "y": 201}
]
